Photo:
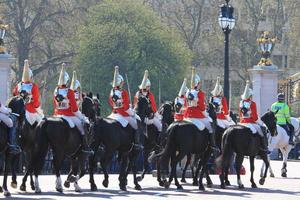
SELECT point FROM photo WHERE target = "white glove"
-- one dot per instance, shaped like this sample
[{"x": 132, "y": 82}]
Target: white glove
[
  {"x": 148, "y": 121},
  {"x": 205, "y": 113},
  {"x": 40, "y": 112},
  {"x": 82, "y": 117},
  {"x": 157, "y": 115},
  {"x": 130, "y": 112},
  {"x": 5, "y": 110},
  {"x": 228, "y": 118},
  {"x": 86, "y": 120}
]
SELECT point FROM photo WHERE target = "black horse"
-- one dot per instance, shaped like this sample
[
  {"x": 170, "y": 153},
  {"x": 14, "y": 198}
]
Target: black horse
[
  {"x": 240, "y": 140},
  {"x": 64, "y": 142},
  {"x": 152, "y": 138},
  {"x": 18, "y": 109},
  {"x": 185, "y": 138}
]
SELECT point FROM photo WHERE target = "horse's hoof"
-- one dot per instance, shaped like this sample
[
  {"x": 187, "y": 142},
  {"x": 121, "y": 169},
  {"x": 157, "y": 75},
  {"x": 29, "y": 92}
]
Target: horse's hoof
[
  {"x": 209, "y": 185},
  {"x": 223, "y": 186},
  {"x": 161, "y": 183},
  {"x": 241, "y": 186},
  {"x": 139, "y": 178},
  {"x": 72, "y": 179},
  {"x": 60, "y": 190},
  {"x": 272, "y": 175},
  {"x": 283, "y": 175},
  {"x": 195, "y": 183},
  {"x": 105, "y": 183},
  {"x": 167, "y": 185},
  {"x": 201, "y": 187},
  {"x": 1, "y": 190},
  {"x": 123, "y": 187},
  {"x": 94, "y": 187},
  {"x": 23, "y": 187},
  {"x": 253, "y": 185},
  {"x": 183, "y": 180},
  {"x": 67, "y": 184},
  {"x": 262, "y": 181},
  {"x": 227, "y": 183},
  {"x": 14, "y": 184},
  {"x": 138, "y": 187},
  {"x": 38, "y": 191},
  {"x": 32, "y": 187},
  {"x": 179, "y": 187},
  {"x": 7, "y": 193},
  {"x": 78, "y": 189}
]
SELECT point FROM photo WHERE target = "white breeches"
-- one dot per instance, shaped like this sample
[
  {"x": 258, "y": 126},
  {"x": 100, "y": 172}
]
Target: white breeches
[
  {"x": 33, "y": 117},
  {"x": 132, "y": 122},
  {"x": 201, "y": 123},
  {"x": 73, "y": 121},
  {"x": 6, "y": 120},
  {"x": 223, "y": 123},
  {"x": 156, "y": 122},
  {"x": 124, "y": 121},
  {"x": 255, "y": 128}
]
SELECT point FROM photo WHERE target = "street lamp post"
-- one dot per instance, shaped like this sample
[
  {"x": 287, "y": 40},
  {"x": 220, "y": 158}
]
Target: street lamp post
[{"x": 226, "y": 22}]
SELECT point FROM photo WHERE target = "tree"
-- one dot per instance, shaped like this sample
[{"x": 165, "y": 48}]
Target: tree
[{"x": 129, "y": 34}]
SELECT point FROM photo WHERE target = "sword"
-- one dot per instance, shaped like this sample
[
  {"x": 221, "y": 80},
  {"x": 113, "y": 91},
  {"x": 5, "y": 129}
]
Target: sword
[{"x": 128, "y": 87}]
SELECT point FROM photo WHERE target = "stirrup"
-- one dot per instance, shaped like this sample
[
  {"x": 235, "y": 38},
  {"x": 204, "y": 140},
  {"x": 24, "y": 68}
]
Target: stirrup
[
  {"x": 138, "y": 147},
  {"x": 14, "y": 149},
  {"x": 265, "y": 151},
  {"x": 292, "y": 143},
  {"x": 89, "y": 152}
]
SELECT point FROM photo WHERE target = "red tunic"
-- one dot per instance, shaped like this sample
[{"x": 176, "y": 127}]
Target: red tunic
[
  {"x": 253, "y": 117},
  {"x": 35, "y": 101},
  {"x": 197, "y": 111},
  {"x": 125, "y": 107},
  {"x": 72, "y": 104},
  {"x": 179, "y": 116},
  {"x": 224, "y": 109},
  {"x": 151, "y": 98}
]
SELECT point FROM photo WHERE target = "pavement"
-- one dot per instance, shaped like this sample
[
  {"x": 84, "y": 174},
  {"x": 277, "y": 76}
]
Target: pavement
[{"x": 274, "y": 188}]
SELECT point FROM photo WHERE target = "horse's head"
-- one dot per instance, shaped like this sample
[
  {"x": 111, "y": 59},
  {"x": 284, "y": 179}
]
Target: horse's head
[
  {"x": 270, "y": 121},
  {"x": 89, "y": 108},
  {"x": 17, "y": 105},
  {"x": 212, "y": 112},
  {"x": 97, "y": 104},
  {"x": 143, "y": 108},
  {"x": 167, "y": 112},
  {"x": 233, "y": 116}
]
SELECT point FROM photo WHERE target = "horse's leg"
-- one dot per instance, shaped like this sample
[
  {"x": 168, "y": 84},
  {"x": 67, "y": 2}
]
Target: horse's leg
[
  {"x": 253, "y": 185},
  {"x": 264, "y": 157},
  {"x": 285, "y": 154},
  {"x": 67, "y": 182},
  {"x": 145, "y": 165},
  {"x": 14, "y": 168},
  {"x": 57, "y": 161},
  {"x": 92, "y": 166},
  {"x": 104, "y": 163},
  {"x": 4, "y": 185},
  {"x": 187, "y": 163},
  {"x": 134, "y": 170},
  {"x": 203, "y": 164},
  {"x": 123, "y": 171},
  {"x": 238, "y": 164},
  {"x": 225, "y": 168},
  {"x": 160, "y": 181},
  {"x": 209, "y": 182},
  {"x": 197, "y": 171},
  {"x": 270, "y": 168},
  {"x": 174, "y": 162}
]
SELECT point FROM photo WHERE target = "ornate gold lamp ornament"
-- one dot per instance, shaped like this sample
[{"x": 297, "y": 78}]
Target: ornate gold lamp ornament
[
  {"x": 3, "y": 29},
  {"x": 266, "y": 45}
]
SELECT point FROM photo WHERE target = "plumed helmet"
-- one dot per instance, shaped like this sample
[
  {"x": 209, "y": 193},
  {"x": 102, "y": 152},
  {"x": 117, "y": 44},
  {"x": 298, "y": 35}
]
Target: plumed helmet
[
  {"x": 183, "y": 88},
  {"x": 27, "y": 73},
  {"x": 218, "y": 90},
  {"x": 145, "y": 82},
  {"x": 75, "y": 84},
  {"x": 63, "y": 76},
  {"x": 195, "y": 79},
  {"x": 248, "y": 92},
  {"x": 118, "y": 79},
  {"x": 281, "y": 97}
]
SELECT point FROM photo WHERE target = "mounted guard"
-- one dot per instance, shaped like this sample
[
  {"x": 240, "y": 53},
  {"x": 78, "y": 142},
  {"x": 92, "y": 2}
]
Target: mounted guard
[
  {"x": 179, "y": 102},
  {"x": 249, "y": 117},
  {"x": 65, "y": 106},
  {"x": 195, "y": 107},
  {"x": 30, "y": 92},
  {"x": 121, "y": 110},
  {"x": 220, "y": 103},
  {"x": 282, "y": 113},
  {"x": 144, "y": 90}
]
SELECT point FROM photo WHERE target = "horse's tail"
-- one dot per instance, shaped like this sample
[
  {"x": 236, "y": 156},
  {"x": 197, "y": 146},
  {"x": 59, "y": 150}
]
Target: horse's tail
[
  {"x": 41, "y": 145},
  {"x": 226, "y": 147}
]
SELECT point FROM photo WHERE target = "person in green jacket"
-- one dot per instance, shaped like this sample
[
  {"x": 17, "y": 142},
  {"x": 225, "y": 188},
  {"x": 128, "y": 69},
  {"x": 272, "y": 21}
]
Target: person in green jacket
[{"x": 283, "y": 116}]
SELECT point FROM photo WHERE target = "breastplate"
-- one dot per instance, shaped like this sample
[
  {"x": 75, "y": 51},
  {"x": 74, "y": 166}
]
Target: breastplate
[
  {"x": 117, "y": 98},
  {"x": 179, "y": 105},
  {"x": 217, "y": 101},
  {"x": 192, "y": 98},
  {"x": 246, "y": 106},
  {"x": 27, "y": 88},
  {"x": 64, "y": 104}
]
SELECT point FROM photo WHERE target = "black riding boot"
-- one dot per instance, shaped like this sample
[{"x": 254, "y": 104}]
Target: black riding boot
[
  {"x": 291, "y": 139},
  {"x": 212, "y": 143},
  {"x": 13, "y": 147},
  {"x": 85, "y": 147},
  {"x": 264, "y": 144}
]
